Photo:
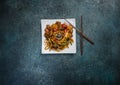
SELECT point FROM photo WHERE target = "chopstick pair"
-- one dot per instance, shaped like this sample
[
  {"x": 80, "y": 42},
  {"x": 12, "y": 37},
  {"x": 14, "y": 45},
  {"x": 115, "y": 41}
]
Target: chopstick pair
[{"x": 82, "y": 35}]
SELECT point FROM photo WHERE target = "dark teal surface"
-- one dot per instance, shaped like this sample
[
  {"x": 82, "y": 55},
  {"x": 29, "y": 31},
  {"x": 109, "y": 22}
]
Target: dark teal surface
[{"x": 21, "y": 61}]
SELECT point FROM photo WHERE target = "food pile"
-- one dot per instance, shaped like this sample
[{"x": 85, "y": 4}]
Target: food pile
[{"x": 58, "y": 36}]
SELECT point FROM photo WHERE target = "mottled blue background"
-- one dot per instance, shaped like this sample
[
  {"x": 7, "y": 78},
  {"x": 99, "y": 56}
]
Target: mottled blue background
[{"x": 21, "y": 61}]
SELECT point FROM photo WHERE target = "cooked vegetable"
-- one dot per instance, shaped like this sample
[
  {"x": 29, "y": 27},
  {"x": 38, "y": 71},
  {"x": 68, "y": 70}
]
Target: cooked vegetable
[{"x": 58, "y": 36}]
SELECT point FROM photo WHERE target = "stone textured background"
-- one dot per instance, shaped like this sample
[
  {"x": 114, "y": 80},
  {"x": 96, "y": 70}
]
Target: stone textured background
[{"x": 21, "y": 61}]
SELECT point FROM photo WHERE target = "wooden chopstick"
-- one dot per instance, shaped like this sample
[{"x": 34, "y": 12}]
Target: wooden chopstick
[
  {"x": 83, "y": 35},
  {"x": 81, "y": 38}
]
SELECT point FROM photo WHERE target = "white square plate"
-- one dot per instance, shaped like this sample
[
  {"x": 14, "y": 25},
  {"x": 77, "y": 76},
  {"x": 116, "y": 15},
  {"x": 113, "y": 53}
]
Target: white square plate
[{"x": 71, "y": 49}]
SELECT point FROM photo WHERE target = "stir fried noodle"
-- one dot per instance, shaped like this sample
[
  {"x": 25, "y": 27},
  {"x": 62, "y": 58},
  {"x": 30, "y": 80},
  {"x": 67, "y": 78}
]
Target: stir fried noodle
[{"x": 58, "y": 36}]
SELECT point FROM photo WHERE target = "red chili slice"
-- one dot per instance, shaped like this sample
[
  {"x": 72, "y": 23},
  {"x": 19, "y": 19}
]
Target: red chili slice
[{"x": 64, "y": 26}]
